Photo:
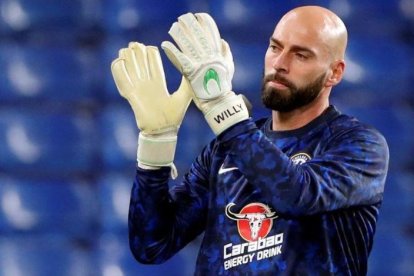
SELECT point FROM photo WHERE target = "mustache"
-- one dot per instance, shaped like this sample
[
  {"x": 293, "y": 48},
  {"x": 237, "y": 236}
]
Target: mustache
[{"x": 278, "y": 78}]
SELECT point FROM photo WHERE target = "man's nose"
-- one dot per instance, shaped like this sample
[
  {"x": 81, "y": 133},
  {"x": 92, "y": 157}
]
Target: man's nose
[{"x": 281, "y": 62}]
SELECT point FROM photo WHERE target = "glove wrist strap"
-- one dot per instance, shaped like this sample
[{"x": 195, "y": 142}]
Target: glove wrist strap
[
  {"x": 227, "y": 112},
  {"x": 156, "y": 151}
]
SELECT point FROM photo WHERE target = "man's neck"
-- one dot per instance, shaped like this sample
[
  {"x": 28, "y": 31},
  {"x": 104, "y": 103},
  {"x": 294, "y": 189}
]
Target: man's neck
[{"x": 298, "y": 118}]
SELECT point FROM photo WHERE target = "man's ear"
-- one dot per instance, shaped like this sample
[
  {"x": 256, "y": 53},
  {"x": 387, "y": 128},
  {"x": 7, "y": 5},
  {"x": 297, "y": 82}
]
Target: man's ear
[{"x": 338, "y": 69}]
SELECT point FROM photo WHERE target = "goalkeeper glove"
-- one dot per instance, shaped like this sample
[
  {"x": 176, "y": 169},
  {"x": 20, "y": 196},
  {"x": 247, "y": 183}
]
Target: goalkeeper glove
[
  {"x": 206, "y": 61},
  {"x": 139, "y": 76}
]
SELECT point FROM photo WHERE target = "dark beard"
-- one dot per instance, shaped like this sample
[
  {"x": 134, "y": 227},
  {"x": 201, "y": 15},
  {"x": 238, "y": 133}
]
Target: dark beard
[{"x": 291, "y": 98}]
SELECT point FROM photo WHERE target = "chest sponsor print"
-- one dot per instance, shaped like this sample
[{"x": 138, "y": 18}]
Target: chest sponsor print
[{"x": 254, "y": 222}]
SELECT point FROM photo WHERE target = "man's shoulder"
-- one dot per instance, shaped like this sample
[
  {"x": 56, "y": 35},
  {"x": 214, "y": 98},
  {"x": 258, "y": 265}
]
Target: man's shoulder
[{"x": 345, "y": 124}]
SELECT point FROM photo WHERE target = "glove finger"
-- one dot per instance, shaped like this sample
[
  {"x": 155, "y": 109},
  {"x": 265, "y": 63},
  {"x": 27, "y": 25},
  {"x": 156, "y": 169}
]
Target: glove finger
[
  {"x": 184, "y": 40},
  {"x": 130, "y": 64},
  {"x": 201, "y": 40},
  {"x": 210, "y": 28},
  {"x": 156, "y": 70},
  {"x": 178, "y": 59},
  {"x": 140, "y": 59},
  {"x": 228, "y": 57},
  {"x": 120, "y": 74}
]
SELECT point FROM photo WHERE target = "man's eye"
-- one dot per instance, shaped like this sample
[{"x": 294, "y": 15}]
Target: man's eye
[
  {"x": 274, "y": 48},
  {"x": 301, "y": 56}
]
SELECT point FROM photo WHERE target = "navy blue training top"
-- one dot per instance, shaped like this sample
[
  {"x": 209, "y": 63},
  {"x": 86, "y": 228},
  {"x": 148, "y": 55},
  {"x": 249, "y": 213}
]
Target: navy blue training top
[{"x": 301, "y": 202}]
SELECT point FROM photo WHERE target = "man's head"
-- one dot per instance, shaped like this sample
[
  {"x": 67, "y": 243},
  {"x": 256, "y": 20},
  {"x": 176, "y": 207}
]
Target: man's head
[{"x": 305, "y": 58}]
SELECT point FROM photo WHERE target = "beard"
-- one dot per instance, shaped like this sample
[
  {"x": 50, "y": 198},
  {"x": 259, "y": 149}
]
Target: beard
[{"x": 291, "y": 98}]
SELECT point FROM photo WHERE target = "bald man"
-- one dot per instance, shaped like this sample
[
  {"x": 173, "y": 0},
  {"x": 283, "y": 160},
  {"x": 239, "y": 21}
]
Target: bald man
[
  {"x": 305, "y": 59},
  {"x": 297, "y": 193}
]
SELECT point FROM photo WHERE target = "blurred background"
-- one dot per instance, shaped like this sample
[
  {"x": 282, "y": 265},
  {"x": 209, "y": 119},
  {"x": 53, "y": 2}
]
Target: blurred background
[{"x": 68, "y": 140}]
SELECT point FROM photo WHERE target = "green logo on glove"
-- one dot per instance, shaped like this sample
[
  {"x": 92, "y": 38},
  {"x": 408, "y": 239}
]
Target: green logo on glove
[{"x": 211, "y": 74}]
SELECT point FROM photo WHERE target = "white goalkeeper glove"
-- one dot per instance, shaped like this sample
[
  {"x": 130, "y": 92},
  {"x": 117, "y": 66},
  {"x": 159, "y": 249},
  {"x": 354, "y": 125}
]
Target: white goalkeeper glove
[
  {"x": 206, "y": 61},
  {"x": 139, "y": 76}
]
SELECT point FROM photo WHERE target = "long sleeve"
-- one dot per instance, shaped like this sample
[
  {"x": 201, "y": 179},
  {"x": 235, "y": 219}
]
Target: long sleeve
[
  {"x": 348, "y": 169},
  {"x": 162, "y": 221}
]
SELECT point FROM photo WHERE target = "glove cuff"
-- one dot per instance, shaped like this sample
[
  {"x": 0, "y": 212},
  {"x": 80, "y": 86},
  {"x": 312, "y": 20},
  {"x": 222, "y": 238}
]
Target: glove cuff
[
  {"x": 156, "y": 150},
  {"x": 227, "y": 112}
]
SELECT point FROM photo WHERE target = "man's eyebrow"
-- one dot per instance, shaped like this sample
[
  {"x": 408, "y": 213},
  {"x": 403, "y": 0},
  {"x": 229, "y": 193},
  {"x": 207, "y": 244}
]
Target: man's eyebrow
[{"x": 294, "y": 48}]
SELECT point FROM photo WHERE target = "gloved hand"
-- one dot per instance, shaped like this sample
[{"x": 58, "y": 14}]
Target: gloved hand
[
  {"x": 206, "y": 61},
  {"x": 139, "y": 76}
]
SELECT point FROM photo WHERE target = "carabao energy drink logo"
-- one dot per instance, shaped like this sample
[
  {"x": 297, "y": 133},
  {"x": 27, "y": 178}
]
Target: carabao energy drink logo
[{"x": 254, "y": 222}]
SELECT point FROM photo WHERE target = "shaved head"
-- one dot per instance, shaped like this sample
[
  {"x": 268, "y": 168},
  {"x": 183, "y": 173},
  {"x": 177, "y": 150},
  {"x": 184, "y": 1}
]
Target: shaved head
[{"x": 320, "y": 23}]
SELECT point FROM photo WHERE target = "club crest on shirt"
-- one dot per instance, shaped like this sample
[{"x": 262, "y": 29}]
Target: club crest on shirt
[
  {"x": 254, "y": 220},
  {"x": 300, "y": 158}
]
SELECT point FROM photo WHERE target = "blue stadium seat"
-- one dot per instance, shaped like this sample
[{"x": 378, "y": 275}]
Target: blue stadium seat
[
  {"x": 44, "y": 255},
  {"x": 119, "y": 144},
  {"x": 398, "y": 196},
  {"x": 407, "y": 11},
  {"x": 46, "y": 15},
  {"x": 131, "y": 15},
  {"x": 378, "y": 73},
  {"x": 33, "y": 206},
  {"x": 45, "y": 72},
  {"x": 114, "y": 190},
  {"x": 241, "y": 20},
  {"x": 46, "y": 141},
  {"x": 392, "y": 253},
  {"x": 252, "y": 22},
  {"x": 381, "y": 19},
  {"x": 366, "y": 17}
]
